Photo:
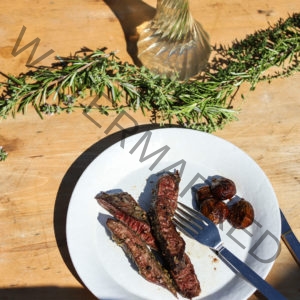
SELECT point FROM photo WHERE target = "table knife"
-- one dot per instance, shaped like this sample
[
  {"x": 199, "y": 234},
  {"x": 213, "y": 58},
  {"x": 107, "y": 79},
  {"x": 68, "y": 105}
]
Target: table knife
[{"x": 290, "y": 239}]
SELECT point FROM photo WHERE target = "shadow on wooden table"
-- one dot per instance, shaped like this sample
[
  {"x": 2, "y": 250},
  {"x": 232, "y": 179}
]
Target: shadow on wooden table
[
  {"x": 288, "y": 286},
  {"x": 131, "y": 14},
  {"x": 45, "y": 293}
]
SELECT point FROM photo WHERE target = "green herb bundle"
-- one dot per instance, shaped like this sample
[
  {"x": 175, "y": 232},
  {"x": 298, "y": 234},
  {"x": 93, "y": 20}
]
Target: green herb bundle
[{"x": 203, "y": 103}]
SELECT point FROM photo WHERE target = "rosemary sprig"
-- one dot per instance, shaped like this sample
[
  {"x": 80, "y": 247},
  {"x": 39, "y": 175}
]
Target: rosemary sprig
[
  {"x": 3, "y": 154},
  {"x": 203, "y": 104}
]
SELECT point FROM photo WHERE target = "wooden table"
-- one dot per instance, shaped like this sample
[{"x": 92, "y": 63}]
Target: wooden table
[{"x": 46, "y": 157}]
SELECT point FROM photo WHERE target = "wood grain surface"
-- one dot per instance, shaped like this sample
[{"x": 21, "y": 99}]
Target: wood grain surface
[{"x": 46, "y": 157}]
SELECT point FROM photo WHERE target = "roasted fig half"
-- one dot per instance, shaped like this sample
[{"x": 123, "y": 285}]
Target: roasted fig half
[
  {"x": 202, "y": 194},
  {"x": 216, "y": 211},
  {"x": 241, "y": 214},
  {"x": 222, "y": 188}
]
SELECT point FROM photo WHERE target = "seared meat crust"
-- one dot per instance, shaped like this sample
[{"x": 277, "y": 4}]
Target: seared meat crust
[
  {"x": 167, "y": 187},
  {"x": 138, "y": 251},
  {"x": 186, "y": 279},
  {"x": 171, "y": 244},
  {"x": 124, "y": 208}
]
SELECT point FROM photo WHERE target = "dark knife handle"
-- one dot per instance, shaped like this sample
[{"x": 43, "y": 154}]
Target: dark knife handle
[{"x": 293, "y": 245}]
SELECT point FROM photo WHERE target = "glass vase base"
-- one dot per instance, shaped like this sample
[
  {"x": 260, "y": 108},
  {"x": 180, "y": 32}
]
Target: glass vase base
[{"x": 182, "y": 58}]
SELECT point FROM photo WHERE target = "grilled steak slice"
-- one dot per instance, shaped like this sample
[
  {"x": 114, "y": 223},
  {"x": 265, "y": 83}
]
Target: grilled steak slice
[
  {"x": 185, "y": 278},
  {"x": 163, "y": 208},
  {"x": 167, "y": 187},
  {"x": 144, "y": 259},
  {"x": 124, "y": 208},
  {"x": 170, "y": 242}
]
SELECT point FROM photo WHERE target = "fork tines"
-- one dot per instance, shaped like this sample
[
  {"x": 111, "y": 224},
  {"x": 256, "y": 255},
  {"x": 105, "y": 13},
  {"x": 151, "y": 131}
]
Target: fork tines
[
  {"x": 188, "y": 220},
  {"x": 190, "y": 212},
  {"x": 183, "y": 226}
]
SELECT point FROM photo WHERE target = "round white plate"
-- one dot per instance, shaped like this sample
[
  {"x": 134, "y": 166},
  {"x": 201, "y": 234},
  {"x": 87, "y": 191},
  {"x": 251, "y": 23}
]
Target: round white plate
[{"x": 133, "y": 165}]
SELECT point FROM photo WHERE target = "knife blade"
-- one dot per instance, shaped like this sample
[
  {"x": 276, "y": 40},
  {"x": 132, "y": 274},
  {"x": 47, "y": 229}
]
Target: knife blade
[{"x": 290, "y": 239}]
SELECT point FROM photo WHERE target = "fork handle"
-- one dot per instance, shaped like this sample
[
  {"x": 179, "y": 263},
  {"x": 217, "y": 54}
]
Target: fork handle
[{"x": 265, "y": 288}]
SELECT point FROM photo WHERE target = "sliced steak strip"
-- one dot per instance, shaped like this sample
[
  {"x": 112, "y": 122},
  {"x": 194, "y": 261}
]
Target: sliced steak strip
[
  {"x": 124, "y": 208},
  {"x": 170, "y": 243},
  {"x": 185, "y": 278},
  {"x": 163, "y": 207},
  {"x": 138, "y": 251},
  {"x": 167, "y": 187}
]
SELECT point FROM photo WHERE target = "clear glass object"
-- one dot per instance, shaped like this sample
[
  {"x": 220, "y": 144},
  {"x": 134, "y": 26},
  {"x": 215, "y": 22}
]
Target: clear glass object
[{"x": 173, "y": 42}]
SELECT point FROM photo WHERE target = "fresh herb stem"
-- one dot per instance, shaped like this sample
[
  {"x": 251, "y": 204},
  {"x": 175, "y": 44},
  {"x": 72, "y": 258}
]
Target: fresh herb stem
[
  {"x": 203, "y": 103},
  {"x": 3, "y": 154}
]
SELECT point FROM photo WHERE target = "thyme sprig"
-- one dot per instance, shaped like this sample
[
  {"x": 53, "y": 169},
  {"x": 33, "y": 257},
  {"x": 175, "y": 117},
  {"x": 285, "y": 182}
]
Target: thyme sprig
[{"x": 203, "y": 103}]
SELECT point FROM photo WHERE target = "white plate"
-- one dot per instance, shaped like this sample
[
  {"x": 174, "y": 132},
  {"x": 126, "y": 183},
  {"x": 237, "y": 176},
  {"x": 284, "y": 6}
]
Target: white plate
[{"x": 131, "y": 165}]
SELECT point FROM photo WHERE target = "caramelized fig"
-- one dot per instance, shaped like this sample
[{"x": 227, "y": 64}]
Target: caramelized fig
[
  {"x": 241, "y": 214},
  {"x": 223, "y": 188},
  {"x": 202, "y": 194},
  {"x": 216, "y": 211}
]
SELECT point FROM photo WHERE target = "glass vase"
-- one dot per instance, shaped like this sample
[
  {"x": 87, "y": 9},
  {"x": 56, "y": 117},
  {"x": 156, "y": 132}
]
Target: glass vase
[{"x": 173, "y": 43}]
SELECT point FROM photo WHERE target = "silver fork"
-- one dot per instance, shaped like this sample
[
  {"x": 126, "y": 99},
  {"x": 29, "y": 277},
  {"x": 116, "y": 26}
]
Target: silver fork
[{"x": 196, "y": 225}]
